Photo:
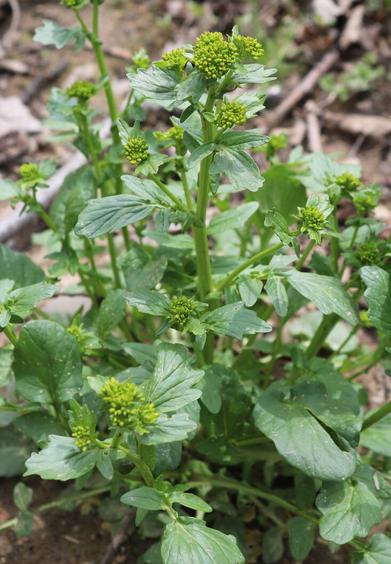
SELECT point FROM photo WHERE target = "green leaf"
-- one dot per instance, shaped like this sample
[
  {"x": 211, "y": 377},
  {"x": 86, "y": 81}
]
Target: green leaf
[
  {"x": 105, "y": 215},
  {"x": 232, "y": 219},
  {"x": 22, "y": 301},
  {"x": 378, "y": 296},
  {"x": 190, "y": 540},
  {"x": 173, "y": 383},
  {"x": 239, "y": 167},
  {"x": 200, "y": 153},
  {"x": 253, "y": 73},
  {"x": 156, "y": 84},
  {"x": 190, "y": 500},
  {"x": 145, "y": 498},
  {"x": 47, "y": 363},
  {"x": 51, "y": 33},
  {"x": 14, "y": 451},
  {"x": 22, "y": 496},
  {"x": 272, "y": 546},
  {"x": 24, "y": 524},
  {"x": 349, "y": 508},
  {"x": 60, "y": 460},
  {"x": 243, "y": 139},
  {"x": 148, "y": 301},
  {"x": 211, "y": 392},
  {"x": 276, "y": 291},
  {"x": 144, "y": 275},
  {"x": 38, "y": 426},
  {"x": 377, "y": 552},
  {"x": 104, "y": 464},
  {"x": 301, "y": 537},
  {"x": 6, "y": 358},
  {"x": 169, "y": 429},
  {"x": 249, "y": 289},
  {"x": 18, "y": 267},
  {"x": 300, "y": 438},
  {"x": 377, "y": 437},
  {"x": 111, "y": 312},
  {"x": 8, "y": 189},
  {"x": 327, "y": 293},
  {"x": 234, "y": 320}
]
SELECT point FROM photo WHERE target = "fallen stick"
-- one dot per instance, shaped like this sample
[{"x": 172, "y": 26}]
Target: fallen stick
[{"x": 302, "y": 89}]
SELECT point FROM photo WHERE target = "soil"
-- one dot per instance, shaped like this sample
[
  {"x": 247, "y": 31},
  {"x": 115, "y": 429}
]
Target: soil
[{"x": 81, "y": 536}]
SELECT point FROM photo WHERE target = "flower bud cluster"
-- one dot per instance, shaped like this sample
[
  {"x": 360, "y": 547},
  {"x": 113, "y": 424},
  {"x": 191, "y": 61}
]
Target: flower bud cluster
[
  {"x": 141, "y": 59},
  {"x": 230, "y": 114},
  {"x": 348, "y": 182},
  {"x": 73, "y": 4},
  {"x": 213, "y": 55},
  {"x": 369, "y": 254},
  {"x": 365, "y": 201},
  {"x": 82, "y": 90},
  {"x": 84, "y": 440},
  {"x": 181, "y": 310},
  {"x": 176, "y": 58},
  {"x": 175, "y": 133},
  {"x": 127, "y": 406},
  {"x": 312, "y": 221},
  {"x": 30, "y": 173},
  {"x": 248, "y": 47},
  {"x": 136, "y": 150}
]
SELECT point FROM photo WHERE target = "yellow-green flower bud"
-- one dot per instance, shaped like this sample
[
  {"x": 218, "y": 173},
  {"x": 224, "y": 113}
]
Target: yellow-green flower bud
[
  {"x": 175, "y": 133},
  {"x": 141, "y": 59},
  {"x": 175, "y": 58},
  {"x": 144, "y": 416},
  {"x": 248, "y": 47},
  {"x": 365, "y": 201},
  {"x": 369, "y": 254},
  {"x": 348, "y": 182},
  {"x": 29, "y": 172},
  {"x": 230, "y": 114},
  {"x": 82, "y": 90},
  {"x": 214, "y": 56},
  {"x": 73, "y": 4},
  {"x": 83, "y": 438},
  {"x": 181, "y": 310},
  {"x": 136, "y": 150},
  {"x": 311, "y": 221}
]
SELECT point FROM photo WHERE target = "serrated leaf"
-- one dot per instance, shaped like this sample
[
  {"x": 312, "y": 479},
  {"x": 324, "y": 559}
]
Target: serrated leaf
[
  {"x": 378, "y": 296},
  {"x": 276, "y": 291},
  {"x": 239, "y": 168},
  {"x": 327, "y": 293},
  {"x": 377, "y": 552},
  {"x": 253, "y": 73},
  {"x": 22, "y": 301},
  {"x": 148, "y": 301},
  {"x": 51, "y": 33},
  {"x": 300, "y": 439},
  {"x": 111, "y": 312},
  {"x": 156, "y": 84},
  {"x": 190, "y": 540},
  {"x": 60, "y": 460},
  {"x": 47, "y": 363},
  {"x": 169, "y": 429},
  {"x": 232, "y": 219},
  {"x": 249, "y": 289},
  {"x": 234, "y": 320},
  {"x": 173, "y": 383},
  {"x": 243, "y": 139}
]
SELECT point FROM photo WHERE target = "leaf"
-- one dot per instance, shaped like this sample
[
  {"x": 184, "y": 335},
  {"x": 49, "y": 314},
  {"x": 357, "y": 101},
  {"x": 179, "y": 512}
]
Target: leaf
[
  {"x": 173, "y": 383},
  {"x": 145, "y": 498},
  {"x": 301, "y": 537},
  {"x": 51, "y": 33},
  {"x": 38, "y": 426},
  {"x": 190, "y": 540},
  {"x": 211, "y": 392},
  {"x": 234, "y": 320},
  {"x": 60, "y": 460},
  {"x": 253, "y": 74},
  {"x": 326, "y": 292},
  {"x": 105, "y": 215},
  {"x": 249, "y": 289},
  {"x": 200, "y": 153},
  {"x": 111, "y": 312},
  {"x": 243, "y": 139},
  {"x": 22, "y": 301},
  {"x": 300, "y": 438},
  {"x": 349, "y": 509},
  {"x": 232, "y": 219},
  {"x": 6, "y": 358},
  {"x": 14, "y": 451},
  {"x": 22, "y": 496},
  {"x": 8, "y": 189},
  {"x": 272, "y": 546},
  {"x": 156, "y": 84},
  {"x": 239, "y": 167},
  {"x": 148, "y": 301},
  {"x": 190, "y": 500},
  {"x": 18, "y": 267},
  {"x": 377, "y": 552},
  {"x": 169, "y": 429},
  {"x": 276, "y": 291},
  {"x": 377, "y": 437},
  {"x": 378, "y": 296},
  {"x": 47, "y": 363}
]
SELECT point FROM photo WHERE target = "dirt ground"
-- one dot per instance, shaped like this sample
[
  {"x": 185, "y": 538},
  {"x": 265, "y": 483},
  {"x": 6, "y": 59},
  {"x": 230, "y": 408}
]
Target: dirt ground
[{"x": 27, "y": 71}]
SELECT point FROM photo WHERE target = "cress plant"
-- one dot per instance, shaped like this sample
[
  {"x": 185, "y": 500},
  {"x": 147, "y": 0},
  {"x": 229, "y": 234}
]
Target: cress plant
[{"x": 215, "y": 369}]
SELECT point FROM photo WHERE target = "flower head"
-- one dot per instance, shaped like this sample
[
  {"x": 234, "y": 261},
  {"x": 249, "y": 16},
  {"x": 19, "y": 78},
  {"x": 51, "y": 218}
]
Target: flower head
[
  {"x": 181, "y": 310},
  {"x": 73, "y": 4},
  {"x": 30, "y": 173},
  {"x": 230, "y": 114},
  {"x": 141, "y": 59},
  {"x": 175, "y": 58},
  {"x": 312, "y": 221},
  {"x": 127, "y": 406},
  {"x": 136, "y": 150},
  {"x": 248, "y": 47},
  {"x": 175, "y": 133},
  {"x": 82, "y": 90},
  {"x": 84, "y": 440},
  {"x": 348, "y": 182},
  {"x": 213, "y": 55},
  {"x": 369, "y": 254}
]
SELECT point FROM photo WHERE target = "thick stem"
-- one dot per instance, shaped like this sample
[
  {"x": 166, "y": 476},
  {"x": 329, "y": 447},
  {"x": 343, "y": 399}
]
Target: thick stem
[
  {"x": 246, "y": 264},
  {"x": 320, "y": 335},
  {"x": 10, "y": 333},
  {"x": 141, "y": 466},
  {"x": 377, "y": 415},
  {"x": 305, "y": 254}
]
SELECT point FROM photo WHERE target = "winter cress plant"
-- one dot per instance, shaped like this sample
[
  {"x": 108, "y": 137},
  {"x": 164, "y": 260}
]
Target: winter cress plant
[{"x": 212, "y": 380}]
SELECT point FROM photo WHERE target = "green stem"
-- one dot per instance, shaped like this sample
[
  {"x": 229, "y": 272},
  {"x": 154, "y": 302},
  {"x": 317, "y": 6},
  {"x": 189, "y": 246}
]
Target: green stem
[
  {"x": 141, "y": 466},
  {"x": 377, "y": 415},
  {"x": 247, "y": 263},
  {"x": 305, "y": 254},
  {"x": 90, "y": 255},
  {"x": 345, "y": 341},
  {"x": 186, "y": 190},
  {"x": 10, "y": 333},
  {"x": 320, "y": 335},
  {"x": 57, "y": 503},
  {"x": 334, "y": 242},
  {"x": 167, "y": 191}
]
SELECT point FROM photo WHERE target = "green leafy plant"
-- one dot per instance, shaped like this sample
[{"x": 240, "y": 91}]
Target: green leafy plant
[{"x": 215, "y": 367}]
